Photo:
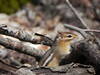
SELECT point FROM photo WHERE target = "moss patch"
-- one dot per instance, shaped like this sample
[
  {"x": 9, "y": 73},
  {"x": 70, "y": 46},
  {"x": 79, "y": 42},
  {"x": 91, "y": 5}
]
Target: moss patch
[{"x": 11, "y": 6}]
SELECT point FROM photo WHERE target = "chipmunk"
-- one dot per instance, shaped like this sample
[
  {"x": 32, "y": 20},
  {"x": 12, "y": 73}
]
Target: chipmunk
[{"x": 64, "y": 40}]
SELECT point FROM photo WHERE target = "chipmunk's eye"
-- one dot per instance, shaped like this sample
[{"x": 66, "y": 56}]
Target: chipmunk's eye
[{"x": 69, "y": 36}]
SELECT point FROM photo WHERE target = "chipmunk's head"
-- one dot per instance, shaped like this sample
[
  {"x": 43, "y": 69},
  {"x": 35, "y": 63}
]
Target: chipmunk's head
[
  {"x": 67, "y": 36},
  {"x": 64, "y": 40}
]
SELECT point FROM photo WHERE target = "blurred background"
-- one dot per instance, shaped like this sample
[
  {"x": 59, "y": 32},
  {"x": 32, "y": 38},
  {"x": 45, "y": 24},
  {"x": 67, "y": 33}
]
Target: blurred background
[{"x": 45, "y": 15}]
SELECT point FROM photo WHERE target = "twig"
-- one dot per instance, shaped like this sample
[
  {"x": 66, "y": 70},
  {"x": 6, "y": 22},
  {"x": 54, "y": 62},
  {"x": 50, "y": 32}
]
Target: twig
[
  {"x": 25, "y": 35},
  {"x": 47, "y": 41},
  {"x": 76, "y": 13},
  {"x": 97, "y": 41},
  {"x": 48, "y": 56},
  {"x": 68, "y": 69},
  {"x": 7, "y": 67},
  {"x": 22, "y": 47},
  {"x": 88, "y": 30},
  {"x": 81, "y": 31},
  {"x": 3, "y": 52},
  {"x": 5, "y": 55}
]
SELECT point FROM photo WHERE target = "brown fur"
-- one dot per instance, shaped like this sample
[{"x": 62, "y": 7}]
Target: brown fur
[{"x": 63, "y": 47}]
